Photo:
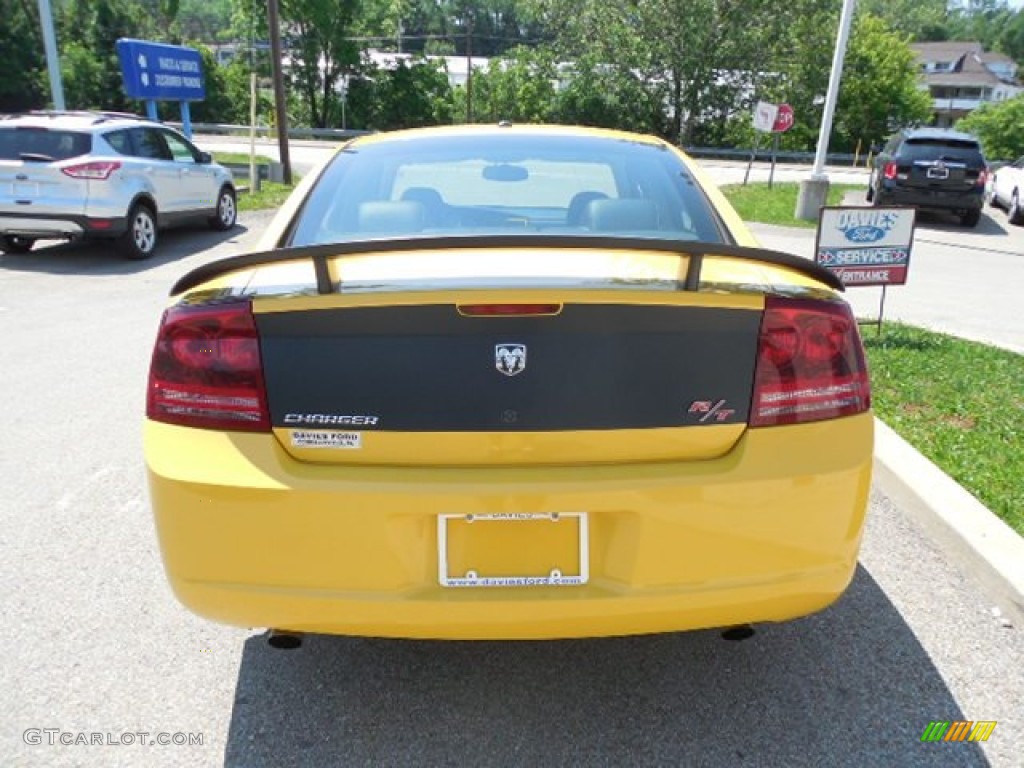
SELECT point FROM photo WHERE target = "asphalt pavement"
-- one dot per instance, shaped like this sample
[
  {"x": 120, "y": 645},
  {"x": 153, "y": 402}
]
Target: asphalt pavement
[{"x": 96, "y": 644}]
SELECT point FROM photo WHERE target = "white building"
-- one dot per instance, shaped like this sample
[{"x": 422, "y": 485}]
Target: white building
[{"x": 961, "y": 76}]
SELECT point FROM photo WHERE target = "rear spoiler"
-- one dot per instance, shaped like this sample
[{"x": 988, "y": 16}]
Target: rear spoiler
[{"x": 322, "y": 253}]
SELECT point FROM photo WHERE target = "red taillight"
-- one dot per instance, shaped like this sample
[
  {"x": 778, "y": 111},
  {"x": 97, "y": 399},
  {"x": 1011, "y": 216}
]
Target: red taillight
[
  {"x": 97, "y": 170},
  {"x": 810, "y": 364},
  {"x": 889, "y": 171},
  {"x": 982, "y": 179},
  {"x": 505, "y": 310},
  {"x": 207, "y": 371}
]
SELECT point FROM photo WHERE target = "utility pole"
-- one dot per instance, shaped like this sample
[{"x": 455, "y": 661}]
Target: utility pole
[
  {"x": 279, "y": 102},
  {"x": 52, "y": 57},
  {"x": 469, "y": 66},
  {"x": 814, "y": 191}
]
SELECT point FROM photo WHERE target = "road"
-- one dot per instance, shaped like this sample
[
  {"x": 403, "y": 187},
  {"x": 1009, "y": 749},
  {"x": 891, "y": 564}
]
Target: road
[
  {"x": 95, "y": 643},
  {"x": 306, "y": 154}
]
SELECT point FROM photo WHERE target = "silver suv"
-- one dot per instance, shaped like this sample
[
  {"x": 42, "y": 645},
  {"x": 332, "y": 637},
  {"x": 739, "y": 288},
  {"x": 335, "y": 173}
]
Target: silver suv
[{"x": 71, "y": 175}]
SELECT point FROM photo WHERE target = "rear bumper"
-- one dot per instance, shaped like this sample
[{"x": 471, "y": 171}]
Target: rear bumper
[
  {"x": 252, "y": 537},
  {"x": 936, "y": 199},
  {"x": 54, "y": 227}
]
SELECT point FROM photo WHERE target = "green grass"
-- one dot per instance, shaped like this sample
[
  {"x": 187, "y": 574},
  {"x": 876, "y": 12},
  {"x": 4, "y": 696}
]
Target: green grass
[
  {"x": 240, "y": 157},
  {"x": 271, "y": 195},
  {"x": 959, "y": 403},
  {"x": 756, "y": 202}
]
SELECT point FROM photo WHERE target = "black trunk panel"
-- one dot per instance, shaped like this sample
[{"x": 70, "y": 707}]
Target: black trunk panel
[{"x": 429, "y": 369}]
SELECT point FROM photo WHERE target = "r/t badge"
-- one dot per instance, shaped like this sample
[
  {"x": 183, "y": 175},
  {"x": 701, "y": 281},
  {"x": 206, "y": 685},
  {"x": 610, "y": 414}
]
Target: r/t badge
[{"x": 710, "y": 410}]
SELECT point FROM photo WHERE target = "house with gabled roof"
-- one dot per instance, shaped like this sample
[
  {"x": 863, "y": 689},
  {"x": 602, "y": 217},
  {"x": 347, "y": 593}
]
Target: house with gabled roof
[{"x": 961, "y": 76}]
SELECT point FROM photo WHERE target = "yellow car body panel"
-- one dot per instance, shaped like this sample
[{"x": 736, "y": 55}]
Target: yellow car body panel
[
  {"x": 253, "y": 537},
  {"x": 685, "y": 528}
]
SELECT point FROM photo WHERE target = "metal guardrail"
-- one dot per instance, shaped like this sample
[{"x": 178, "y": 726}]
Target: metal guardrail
[
  {"x": 765, "y": 156},
  {"x": 336, "y": 134},
  {"x": 721, "y": 153}
]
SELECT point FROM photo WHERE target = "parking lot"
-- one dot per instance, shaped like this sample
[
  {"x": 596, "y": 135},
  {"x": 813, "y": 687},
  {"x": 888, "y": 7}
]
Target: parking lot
[{"x": 95, "y": 642}]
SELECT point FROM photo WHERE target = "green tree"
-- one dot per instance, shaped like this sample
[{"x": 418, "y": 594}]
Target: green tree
[
  {"x": 519, "y": 88},
  {"x": 917, "y": 19},
  {"x": 880, "y": 89},
  {"x": 318, "y": 32},
  {"x": 1011, "y": 39},
  {"x": 998, "y": 126},
  {"x": 411, "y": 96},
  {"x": 22, "y": 45},
  {"x": 317, "y": 35},
  {"x": 419, "y": 26},
  {"x": 205, "y": 21},
  {"x": 227, "y": 93},
  {"x": 701, "y": 58},
  {"x": 88, "y": 31},
  {"x": 606, "y": 96},
  {"x": 979, "y": 20}
]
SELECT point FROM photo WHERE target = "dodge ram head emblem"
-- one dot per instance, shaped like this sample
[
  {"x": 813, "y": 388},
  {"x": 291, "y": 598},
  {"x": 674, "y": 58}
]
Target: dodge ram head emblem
[{"x": 510, "y": 359}]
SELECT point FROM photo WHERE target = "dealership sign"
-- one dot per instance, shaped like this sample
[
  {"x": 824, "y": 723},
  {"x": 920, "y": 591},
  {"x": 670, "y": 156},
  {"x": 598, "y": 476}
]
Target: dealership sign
[
  {"x": 159, "y": 72},
  {"x": 866, "y": 246}
]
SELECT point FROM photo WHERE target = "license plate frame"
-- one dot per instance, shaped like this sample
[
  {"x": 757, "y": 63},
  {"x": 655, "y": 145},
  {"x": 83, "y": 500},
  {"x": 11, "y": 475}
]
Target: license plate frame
[{"x": 473, "y": 578}]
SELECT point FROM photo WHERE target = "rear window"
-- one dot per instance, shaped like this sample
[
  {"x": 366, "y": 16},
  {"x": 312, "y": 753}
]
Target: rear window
[
  {"x": 506, "y": 184},
  {"x": 942, "y": 149},
  {"x": 39, "y": 143}
]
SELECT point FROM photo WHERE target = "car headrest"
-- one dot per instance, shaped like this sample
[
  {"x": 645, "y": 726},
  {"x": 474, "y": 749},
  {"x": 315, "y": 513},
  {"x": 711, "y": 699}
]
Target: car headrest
[
  {"x": 392, "y": 216},
  {"x": 429, "y": 196},
  {"x": 620, "y": 215},
  {"x": 578, "y": 205}
]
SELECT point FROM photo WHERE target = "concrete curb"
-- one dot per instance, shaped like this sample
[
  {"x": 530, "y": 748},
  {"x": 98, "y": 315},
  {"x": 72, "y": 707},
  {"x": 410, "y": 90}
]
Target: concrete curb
[{"x": 959, "y": 522}]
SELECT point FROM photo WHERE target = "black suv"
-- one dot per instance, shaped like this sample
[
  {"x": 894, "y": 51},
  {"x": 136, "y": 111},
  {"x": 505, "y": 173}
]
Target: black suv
[{"x": 931, "y": 168}]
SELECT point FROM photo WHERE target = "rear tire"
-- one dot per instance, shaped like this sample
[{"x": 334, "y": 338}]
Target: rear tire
[
  {"x": 17, "y": 244},
  {"x": 139, "y": 240},
  {"x": 871, "y": 191},
  {"x": 971, "y": 218},
  {"x": 227, "y": 210},
  {"x": 1014, "y": 211}
]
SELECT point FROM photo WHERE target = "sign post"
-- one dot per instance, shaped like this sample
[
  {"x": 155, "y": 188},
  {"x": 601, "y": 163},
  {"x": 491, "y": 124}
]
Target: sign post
[
  {"x": 769, "y": 118},
  {"x": 782, "y": 123},
  {"x": 764, "y": 119},
  {"x": 866, "y": 246},
  {"x": 159, "y": 72}
]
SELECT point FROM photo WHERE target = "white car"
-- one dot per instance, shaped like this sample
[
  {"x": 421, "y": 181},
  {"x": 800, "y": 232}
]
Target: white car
[
  {"x": 1008, "y": 190},
  {"x": 74, "y": 175}
]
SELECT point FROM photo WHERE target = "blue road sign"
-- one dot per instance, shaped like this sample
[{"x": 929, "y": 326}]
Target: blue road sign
[{"x": 155, "y": 71}]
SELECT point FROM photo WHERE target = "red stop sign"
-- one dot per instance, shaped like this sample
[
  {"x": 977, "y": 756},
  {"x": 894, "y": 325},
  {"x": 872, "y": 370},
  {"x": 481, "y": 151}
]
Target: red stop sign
[{"x": 783, "y": 119}]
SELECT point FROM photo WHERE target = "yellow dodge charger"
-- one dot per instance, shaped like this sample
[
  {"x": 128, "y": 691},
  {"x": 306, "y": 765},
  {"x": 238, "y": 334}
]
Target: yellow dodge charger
[{"x": 508, "y": 382}]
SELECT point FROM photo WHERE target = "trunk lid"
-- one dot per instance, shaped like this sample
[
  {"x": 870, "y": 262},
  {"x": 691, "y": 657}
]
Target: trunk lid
[
  {"x": 586, "y": 358},
  {"x": 946, "y": 164},
  {"x": 32, "y": 159},
  {"x": 448, "y": 356},
  {"x": 584, "y": 381}
]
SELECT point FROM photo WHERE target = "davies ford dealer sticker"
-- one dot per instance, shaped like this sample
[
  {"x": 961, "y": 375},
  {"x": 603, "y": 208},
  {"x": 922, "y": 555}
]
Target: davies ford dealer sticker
[{"x": 325, "y": 438}]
